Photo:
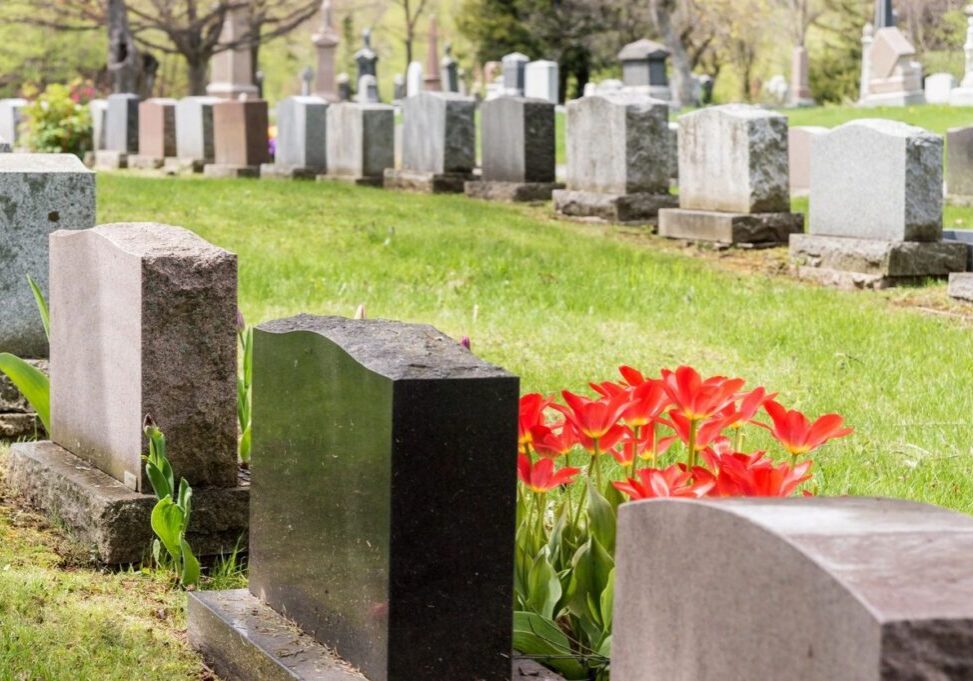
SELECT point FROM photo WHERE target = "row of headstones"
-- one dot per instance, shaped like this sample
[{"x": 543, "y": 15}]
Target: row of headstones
[{"x": 381, "y": 558}]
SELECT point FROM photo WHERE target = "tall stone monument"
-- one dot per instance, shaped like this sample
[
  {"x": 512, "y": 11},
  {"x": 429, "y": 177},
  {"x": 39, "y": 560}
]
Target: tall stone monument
[
  {"x": 433, "y": 81},
  {"x": 438, "y": 143},
  {"x": 963, "y": 95},
  {"x": 365, "y": 58},
  {"x": 143, "y": 323},
  {"x": 232, "y": 67},
  {"x": 733, "y": 178},
  {"x": 618, "y": 158},
  {"x": 894, "y": 78},
  {"x": 326, "y": 42},
  {"x": 380, "y": 570},
  {"x": 413, "y": 79},
  {"x": 302, "y": 124},
  {"x": 800, "y": 90},
  {"x": 518, "y": 143},
  {"x": 876, "y": 216},
  {"x": 449, "y": 70}
]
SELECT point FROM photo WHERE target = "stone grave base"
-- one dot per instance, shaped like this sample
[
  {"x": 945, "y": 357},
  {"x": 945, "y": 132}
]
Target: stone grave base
[
  {"x": 140, "y": 162},
  {"x": 243, "y": 639},
  {"x": 428, "y": 183},
  {"x": 180, "y": 166},
  {"x": 895, "y": 99},
  {"x": 17, "y": 419},
  {"x": 511, "y": 191},
  {"x": 961, "y": 286},
  {"x": 961, "y": 96},
  {"x": 273, "y": 170},
  {"x": 227, "y": 170},
  {"x": 109, "y": 517},
  {"x": 111, "y": 160},
  {"x": 729, "y": 228},
  {"x": 639, "y": 207},
  {"x": 361, "y": 181},
  {"x": 871, "y": 263},
  {"x": 960, "y": 199}
]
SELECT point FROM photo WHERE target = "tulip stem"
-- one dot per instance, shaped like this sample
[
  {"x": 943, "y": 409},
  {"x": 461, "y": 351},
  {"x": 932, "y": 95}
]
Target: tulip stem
[
  {"x": 739, "y": 443},
  {"x": 692, "y": 444},
  {"x": 596, "y": 464}
]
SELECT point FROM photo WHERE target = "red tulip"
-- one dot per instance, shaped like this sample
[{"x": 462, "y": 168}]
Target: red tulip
[
  {"x": 532, "y": 408},
  {"x": 550, "y": 444},
  {"x": 594, "y": 420},
  {"x": 750, "y": 403},
  {"x": 632, "y": 377},
  {"x": 695, "y": 398},
  {"x": 793, "y": 430},
  {"x": 647, "y": 447},
  {"x": 708, "y": 433},
  {"x": 646, "y": 402},
  {"x": 764, "y": 480},
  {"x": 541, "y": 477},
  {"x": 674, "y": 481}
]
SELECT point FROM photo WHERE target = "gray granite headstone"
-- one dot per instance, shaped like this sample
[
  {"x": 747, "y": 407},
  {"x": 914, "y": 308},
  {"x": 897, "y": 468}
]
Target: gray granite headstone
[
  {"x": 11, "y": 116},
  {"x": 877, "y": 179},
  {"x": 518, "y": 140},
  {"x": 357, "y": 537},
  {"x": 5, "y": 147},
  {"x": 40, "y": 193},
  {"x": 514, "y": 66},
  {"x": 959, "y": 163},
  {"x": 122, "y": 133},
  {"x": 439, "y": 133},
  {"x": 302, "y": 124},
  {"x": 143, "y": 322},
  {"x": 733, "y": 158},
  {"x": 361, "y": 139},
  {"x": 815, "y": 589},
  {"x": 99, "y": 116},
  {"x": 194, "y": 128},
  {"x": 619, "y": 144}
]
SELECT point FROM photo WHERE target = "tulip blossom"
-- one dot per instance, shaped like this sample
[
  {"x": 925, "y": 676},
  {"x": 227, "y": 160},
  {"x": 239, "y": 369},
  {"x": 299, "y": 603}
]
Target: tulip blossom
[
  {"x": 532, "y": 408},
  {"x": 550, "y": 444},
  {"x": 646, "y": 402},
  {"x": 674, "y": 481},
  {"x": 707, "y": 434},
  {"x": 647, "y": 446},
  {"x": 695, "y": 398},
  {"x": 798, "y": 435},
  {"x": 763, "y": 480},
  {"x": 750, "y": 404},
  {"x": 595, "y": 422},
  {"x": 632, "y": 377},
  {"x": 541, "y": 477}
]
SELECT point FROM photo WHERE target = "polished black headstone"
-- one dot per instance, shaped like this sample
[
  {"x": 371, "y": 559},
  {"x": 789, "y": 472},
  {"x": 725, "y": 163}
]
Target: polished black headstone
[{"x": 383, "y": 497}]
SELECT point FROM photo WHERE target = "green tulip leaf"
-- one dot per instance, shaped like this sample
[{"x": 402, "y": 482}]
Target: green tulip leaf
[
  {"x": 33, "y": 384},
  {"x": 541, "y": 639}
]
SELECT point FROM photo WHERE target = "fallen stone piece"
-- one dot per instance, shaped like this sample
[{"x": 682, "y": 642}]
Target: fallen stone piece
[
  {"x": 873, "y": 263},
  {"x": 635, "y": 208},
  {"x": 110, "y": 518},
  {"x": 961, "y": 286},
  {"x": 800, "y": 589},
  {"x": 729, "y": 228}
]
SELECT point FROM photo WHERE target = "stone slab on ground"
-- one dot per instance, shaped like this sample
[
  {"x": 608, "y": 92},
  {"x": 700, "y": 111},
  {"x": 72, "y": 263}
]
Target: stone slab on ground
[
  {"x": 511, "y": 191},
  {"x": 223, "y": 170},
  {"x": 282, "y": 172},
  {"x": 143, "y": 162},
  {"x": 245, "y": 640},
  {"x": 872, "y": 263},
  {"x": 427, "y": 183},
  {"x": 180, "y": 166},
  {"x": 729, "y": 228},
  {"x": 111, "y": 160},
  {"x": 963, "y": 236},
  {"x": 17, "y": 426},
  {"x": 360, "y": 181},
  {"x": 961, "y": 286},
  {"x": 618, "y": 208},
  {"x": 109, "y": 517}
]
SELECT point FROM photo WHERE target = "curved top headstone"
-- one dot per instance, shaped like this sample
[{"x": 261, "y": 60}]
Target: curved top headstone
[
  {"x": 813, "y": 589},
  {"x": 642, "y": 49}
]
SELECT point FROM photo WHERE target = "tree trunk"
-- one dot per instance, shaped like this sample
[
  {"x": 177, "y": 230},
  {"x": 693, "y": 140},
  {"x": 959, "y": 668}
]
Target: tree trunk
[
  {"x": 123, "y": 56},
  {"x": 682, "y": 73},
  {"x": 196, "y": 69}
]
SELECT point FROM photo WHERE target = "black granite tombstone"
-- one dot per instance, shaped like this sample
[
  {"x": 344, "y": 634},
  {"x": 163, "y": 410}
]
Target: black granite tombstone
[{"x": 383, "y": 498}]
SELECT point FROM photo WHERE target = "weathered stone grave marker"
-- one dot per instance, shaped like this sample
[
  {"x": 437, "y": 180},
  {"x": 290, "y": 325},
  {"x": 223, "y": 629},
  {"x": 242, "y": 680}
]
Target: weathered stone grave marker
[
  {"x": 514, "y": 67},
  {"x": 619, "y": 163},
  {"x": 194, "y": 134},
  {"x": 541, "y": 80},
  {"x": 733, "y": 178},
  {"x": 438, "y": 143},
  {"x": 11, "y": 118},
  {"x": 240, "y": 138},
  {"x": 121, "y": 132},
  {"x": 959, "y": 165},
  {"x": 302, "y": 124},
  {"x": 361, "y": 406},
  {"x": 360, "y": 142},
  {"x": 157, "y": 134},
  {"x": 799, "y": 140},
  {"x": 143, "y": 322}
]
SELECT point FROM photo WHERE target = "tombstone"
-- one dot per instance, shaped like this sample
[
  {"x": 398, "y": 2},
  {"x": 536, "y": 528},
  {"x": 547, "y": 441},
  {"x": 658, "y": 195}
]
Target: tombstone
[
  {"x": 121, "y": 132},
  {"x": 618, "y": 159},
  {"x": 463, "y": 81},
  {"x": 868, "y": 39},
  {"x": 876, "y": 208},
  {"x": 307, "y": 77},
  {"x": 325, "y": 42},
  {"x": 143, "y": 323},
  {"x": 959, "y": 165},
  {"x": 11, "y": 117},
  {"x": 514, "y": 65},
  {"x": 413, "y": 79},
  {"x": 799, "y": 139},
  {"x": 733, "y": 178},
  {"x": 518, "y": 151},
  {"x": 800, "y": 88},
  {"x": 42, "y": 193},
  {"x": 5, "y": 147},
  {"x": 673, "y": 150},
  {"x": 826, "y": 589},
  {"x": 541, "y": 81},
  {"x": 610, "y": 85},
  {"x": 398, "y": 88},
  {"x": 157, "y": 134},
  {"x": 362, "y": 404},
  {"x": 365, "y": 58},
  {"x": 232, "y": 68},
  {"x": 194, "y": 134},
  {"x": 776, "y": 90},
  {"x": 894, "y": 77},
  {"x": 240, "y": 138},
  {"x": 344, "y": 87},
  {"x": 432, "y": 81},
  {"x": 449, "y": 71},
  {"x": 963, "y": 95},
  {"x": 367, "y": 90},
  {"x": 939, "y": 87},
  {"x": 884, "y": 14},
  {"x": 644, "y": 68},
  {"x": 360, "y": 142},
  {"x": 438, "y": 143},
  {"x": 301, "y": 139},
  {"x": 99, "y": 116}
]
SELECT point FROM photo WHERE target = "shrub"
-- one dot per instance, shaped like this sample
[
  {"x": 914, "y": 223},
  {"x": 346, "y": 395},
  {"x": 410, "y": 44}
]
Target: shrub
[
  {"x": 59, "y": 120},
  {"x": 675, "y": 436}
]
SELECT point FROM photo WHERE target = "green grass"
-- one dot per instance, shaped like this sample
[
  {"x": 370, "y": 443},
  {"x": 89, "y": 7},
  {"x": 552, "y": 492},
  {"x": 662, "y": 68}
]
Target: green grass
[{"x": 935, "y": 118}]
